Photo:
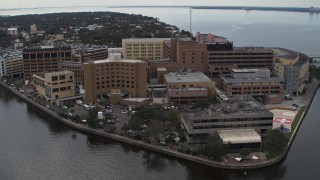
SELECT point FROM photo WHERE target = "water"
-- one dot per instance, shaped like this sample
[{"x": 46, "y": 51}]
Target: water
[{"x": 34, "y": 147}]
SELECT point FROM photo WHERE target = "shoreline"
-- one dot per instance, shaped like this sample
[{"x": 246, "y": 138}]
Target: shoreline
[{"x": 159, "y": 149}]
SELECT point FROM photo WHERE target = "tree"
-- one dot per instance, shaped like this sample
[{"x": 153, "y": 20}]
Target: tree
[
  {"x": 214, "y": 147},
  {"x": 275, "y": 143},
  {"x": 92, "y": 118},
  {"x": 245, "y": 152}
]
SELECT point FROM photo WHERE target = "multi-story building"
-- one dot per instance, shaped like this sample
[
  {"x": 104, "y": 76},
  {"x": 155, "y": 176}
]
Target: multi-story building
[
  {"x": 224, "y": 57},
  {"x": 239, "y": 112},
  {"x": 256, "y": 82},
  {"x": 213, "y": 59},
  {"x": 94, "y": 54},
  {"x": 187, "y": 87},
  {"x": 11, "y": 64},
  {"x": 45, "y": 58},
  {"x": 55, "y": 85},
  {"x": 293, "y": 67},
  {"x": 144, "y": 48},
  {"x": 105, "y": 78},
  {"x": 209, "y": 38},
  {"x": 76, "y": 68}
]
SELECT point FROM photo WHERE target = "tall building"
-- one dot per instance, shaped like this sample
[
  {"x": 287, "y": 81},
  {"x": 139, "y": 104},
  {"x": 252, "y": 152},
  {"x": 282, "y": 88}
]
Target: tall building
[
  {"x": 45, "y": 58},
  {"x": 144, "y": 48},
  {"x": 55, "y": 85},
  {"x": 112, "y": 78},
  {"x": 256, "y": 82},
  {"x": 214, "y": 59},
  {"x": 11, "y": 63}
]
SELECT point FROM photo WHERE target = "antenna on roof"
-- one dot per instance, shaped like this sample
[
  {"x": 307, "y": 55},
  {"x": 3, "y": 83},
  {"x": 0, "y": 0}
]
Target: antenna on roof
[{"x": 190, "y": 20}]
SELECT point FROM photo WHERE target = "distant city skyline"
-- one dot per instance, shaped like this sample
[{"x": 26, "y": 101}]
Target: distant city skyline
[{"x": 64, "y": 3}]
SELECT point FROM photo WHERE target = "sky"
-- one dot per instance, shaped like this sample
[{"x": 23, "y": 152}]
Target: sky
[{"x": 6, "y": 4}]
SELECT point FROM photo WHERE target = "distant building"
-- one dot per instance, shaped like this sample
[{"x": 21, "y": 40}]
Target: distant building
[
  {"x": 13, "y": 31},
  {"x": 94, "y": 54},
  {"x": 44, "y": 58},
  {"x": 76, "y": 68},
  {"x": 239, "y": 112},
  {"x": 115, "y": 79},
  {"x": 144, "y": 48},
  {"x": 115, "y": 50},
  {"x": 210, "y": 38},
  {"x": 256, "y": 82},
  {"x": 11, "y": 63},
  {"x": 187, "y": 87},
  {"x": 55, "y": 85}
]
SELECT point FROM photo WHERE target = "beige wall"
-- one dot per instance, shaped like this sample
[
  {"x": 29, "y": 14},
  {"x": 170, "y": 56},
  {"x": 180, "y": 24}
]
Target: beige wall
[
  {"x": 55, "y": 89},
  {"x": 126, "y": 75}
]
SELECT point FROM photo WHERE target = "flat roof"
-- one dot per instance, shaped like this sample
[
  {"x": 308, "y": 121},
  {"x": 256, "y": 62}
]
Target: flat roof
[
  {"x": 239, "y": 136},
  {"x": 248, "y": 107},
  {"x": 120, "y": 60},
  {"x": 249, "y": 70},
  {"x": 137, "y": 40},
  {"x": 186, "y": 77},
  {"x": 58, "y": 73}
]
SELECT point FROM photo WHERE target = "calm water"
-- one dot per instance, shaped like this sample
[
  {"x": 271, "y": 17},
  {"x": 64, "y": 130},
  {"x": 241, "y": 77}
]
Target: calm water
[{"x": 34, "y": 147}]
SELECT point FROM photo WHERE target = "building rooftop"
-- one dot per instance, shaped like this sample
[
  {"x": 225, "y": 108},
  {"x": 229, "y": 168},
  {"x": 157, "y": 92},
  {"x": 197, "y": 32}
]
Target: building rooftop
[
  {"x": 247, "y": 107},
  {"x": 10, "y": 54},
  {"x": 239, "y": 136},
  {"x": 119, "y": 60},
  {"x": 186, "y": 77},
  {"x": 145, "y": 40},
  {"x": 249, "y": 70}
]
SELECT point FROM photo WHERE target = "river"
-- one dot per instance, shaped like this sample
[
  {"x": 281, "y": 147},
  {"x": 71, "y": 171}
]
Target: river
[{"x": 35, "y": 147}]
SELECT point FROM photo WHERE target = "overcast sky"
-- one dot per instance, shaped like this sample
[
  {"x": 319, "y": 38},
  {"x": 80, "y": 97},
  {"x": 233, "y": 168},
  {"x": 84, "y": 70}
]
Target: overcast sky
[{"x": 62, "y": 3}]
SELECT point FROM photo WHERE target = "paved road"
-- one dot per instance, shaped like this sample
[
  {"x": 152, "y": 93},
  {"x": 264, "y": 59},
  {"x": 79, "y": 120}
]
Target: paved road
[{"x": 300, "y": 100}]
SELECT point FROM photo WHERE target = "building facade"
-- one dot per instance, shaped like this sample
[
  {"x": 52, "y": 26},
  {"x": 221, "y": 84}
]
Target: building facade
[
  {"x": 144, "y": 48},
  {"x": 11, "y": 64},
  {"x": 55, "y": 85},
  {"x": 293, "y": 67},
  {"x": 209, "y": 38},
  {"x": 45, "y": 58},
  {"x": 214, "y": 59},
  {"x": 256, "y": 82},
  {"x": 94, "y": 54},
  {"x": 239, "y": 112},
  {"x": 76, "y": 68},
  {"x": 187, "y": 87},
  {"x": 122, "y": 77}
]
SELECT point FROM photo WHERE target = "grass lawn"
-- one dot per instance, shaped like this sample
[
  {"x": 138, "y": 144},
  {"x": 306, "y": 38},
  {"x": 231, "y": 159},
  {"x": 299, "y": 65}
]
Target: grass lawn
[{"x": 295, "y": 122}]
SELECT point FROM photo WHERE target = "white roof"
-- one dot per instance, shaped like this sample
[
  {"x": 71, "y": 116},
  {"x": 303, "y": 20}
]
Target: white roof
[
  {"x": 138, "y": 40},
  {"x": 120, "y": 60},
  {"x": 239, "y": 136}
]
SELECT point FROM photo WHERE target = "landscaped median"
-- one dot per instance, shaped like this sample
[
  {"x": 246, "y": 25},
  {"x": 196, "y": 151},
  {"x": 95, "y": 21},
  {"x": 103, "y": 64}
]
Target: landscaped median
[{"x": 154, "y": 148}]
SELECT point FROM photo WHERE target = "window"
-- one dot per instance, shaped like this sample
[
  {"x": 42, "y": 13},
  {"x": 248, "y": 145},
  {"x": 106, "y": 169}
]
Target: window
[
  {"x": 62, "y": 77},
  {"x": 54, "y": 78},
  {"x": 63, "y": 88}
]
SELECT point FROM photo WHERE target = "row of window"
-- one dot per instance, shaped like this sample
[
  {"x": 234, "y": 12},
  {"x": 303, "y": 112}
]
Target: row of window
[
  {"x": 61, "y": 89},
  {"x": 232, "y": 126},
  {"x": 233, "y": 120}
]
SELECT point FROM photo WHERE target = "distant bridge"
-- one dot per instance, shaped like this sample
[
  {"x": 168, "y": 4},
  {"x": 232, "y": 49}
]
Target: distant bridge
[{"x": 314, "y": 56}]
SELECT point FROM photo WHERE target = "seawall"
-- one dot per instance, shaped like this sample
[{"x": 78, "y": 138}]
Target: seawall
[{"x": 155, "y": 148}]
